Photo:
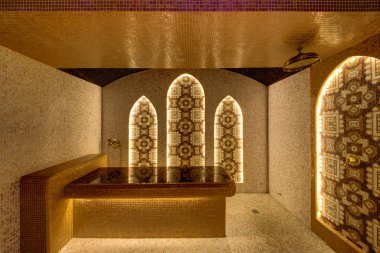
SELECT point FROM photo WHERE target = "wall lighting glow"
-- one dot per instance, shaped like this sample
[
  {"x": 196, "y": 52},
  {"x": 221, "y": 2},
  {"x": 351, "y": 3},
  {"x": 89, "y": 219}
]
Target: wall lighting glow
[
  {"x": 329, "y": 85},
  {"x": 347, "y": 152},
  {"x": 318, "y": 143},
  {"x": 228, "y": 138}
]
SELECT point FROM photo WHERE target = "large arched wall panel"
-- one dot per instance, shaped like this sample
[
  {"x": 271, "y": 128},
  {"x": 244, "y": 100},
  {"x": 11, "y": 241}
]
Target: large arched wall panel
[
  {"x": 228, "y": 138},
  {"x": 119, "y": 97},
  {"x": 185, "y": 122},
  {"x": 143, "y": 134},
  {"x": 318, "y": 74},
  {"x": 142, "y": 141},
  {"x": 348, "y": 125}
]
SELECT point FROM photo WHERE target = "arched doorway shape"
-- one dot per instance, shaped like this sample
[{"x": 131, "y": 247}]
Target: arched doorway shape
[
  {"x": 185, "y": 122},
  {"x": 143, "y": 134},
  {"x": 347, "y": 151},
  {"x": 228, "y": 138}
]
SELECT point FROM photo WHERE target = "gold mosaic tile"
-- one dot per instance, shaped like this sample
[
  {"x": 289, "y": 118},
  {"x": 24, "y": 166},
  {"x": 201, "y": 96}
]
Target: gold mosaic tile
[
  {"x": 149, "y": 218},
  {"x": 181, "y": 39}
]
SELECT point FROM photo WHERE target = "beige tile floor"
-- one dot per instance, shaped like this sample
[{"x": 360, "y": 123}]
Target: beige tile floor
[{"x": 273, "y": 229}]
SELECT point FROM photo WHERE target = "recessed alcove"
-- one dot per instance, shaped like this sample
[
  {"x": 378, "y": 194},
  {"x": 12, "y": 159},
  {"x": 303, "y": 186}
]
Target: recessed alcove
[{"x": 251, "y": 96}]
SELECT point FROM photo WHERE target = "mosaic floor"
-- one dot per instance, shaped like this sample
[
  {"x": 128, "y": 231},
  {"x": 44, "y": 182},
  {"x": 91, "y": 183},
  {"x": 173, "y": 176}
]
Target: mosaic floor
[{"x": 268, "y": 228}]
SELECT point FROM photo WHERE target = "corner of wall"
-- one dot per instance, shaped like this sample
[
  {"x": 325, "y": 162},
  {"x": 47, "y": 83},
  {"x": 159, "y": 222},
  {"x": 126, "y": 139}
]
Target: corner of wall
[{"x": 289, "y": 144}]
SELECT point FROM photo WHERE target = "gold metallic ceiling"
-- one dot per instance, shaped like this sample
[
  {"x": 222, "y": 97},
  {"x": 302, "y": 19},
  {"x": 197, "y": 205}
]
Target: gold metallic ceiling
[{"x": 181, "y": 39}]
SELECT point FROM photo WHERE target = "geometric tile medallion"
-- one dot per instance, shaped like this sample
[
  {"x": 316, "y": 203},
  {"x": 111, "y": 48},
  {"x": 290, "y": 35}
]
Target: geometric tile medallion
[
  {"x": 185, "y": 122},
  {"x": 348, "y": 123},
  {"x": 228, "y": 142},
  {"x": 142, "y": 138}
]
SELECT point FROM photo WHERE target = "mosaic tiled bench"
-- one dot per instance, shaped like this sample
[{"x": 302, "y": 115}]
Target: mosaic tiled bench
[
  {"x": 151, "y": 202},
  {"x": 82, "y": 198}
]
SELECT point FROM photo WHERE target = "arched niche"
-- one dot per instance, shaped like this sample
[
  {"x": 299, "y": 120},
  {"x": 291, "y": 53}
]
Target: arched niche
[
  {"x": 228, "y": 138},
  {"x": 142, "y": 140},
  {"x": 348, "y": 127},
  {"x": 185, "y": 122}
]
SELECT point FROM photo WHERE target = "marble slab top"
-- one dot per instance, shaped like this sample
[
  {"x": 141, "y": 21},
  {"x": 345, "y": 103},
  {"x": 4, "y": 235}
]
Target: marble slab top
[{"x": 115, "y": 182}]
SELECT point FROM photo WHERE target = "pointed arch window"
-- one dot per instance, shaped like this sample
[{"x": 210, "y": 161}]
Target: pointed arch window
[
  {"x": 185, "y": 122},
  {"x": 143, "y": 134},
  {"x": 228, "y": 138}
]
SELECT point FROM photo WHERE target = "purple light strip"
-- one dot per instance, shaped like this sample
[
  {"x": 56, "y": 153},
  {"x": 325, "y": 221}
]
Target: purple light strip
[{"x": 190, "y": 5}]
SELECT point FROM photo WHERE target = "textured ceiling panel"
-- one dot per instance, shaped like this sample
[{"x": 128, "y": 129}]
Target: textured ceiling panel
[
  {"x": 180, "y": 39},
  {"x": 192, "y": 5}
]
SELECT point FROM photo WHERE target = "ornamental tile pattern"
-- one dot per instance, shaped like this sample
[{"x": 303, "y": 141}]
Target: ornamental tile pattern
[
  {"x": 349, "y": 124},
  {"x": 143, "y": 135},
  {"x": 186, "y": 122},
  {"x": 228, "y": 136}
]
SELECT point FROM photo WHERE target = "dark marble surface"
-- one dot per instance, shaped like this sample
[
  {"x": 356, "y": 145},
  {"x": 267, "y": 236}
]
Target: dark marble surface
[{"x": 159, "y": 175}]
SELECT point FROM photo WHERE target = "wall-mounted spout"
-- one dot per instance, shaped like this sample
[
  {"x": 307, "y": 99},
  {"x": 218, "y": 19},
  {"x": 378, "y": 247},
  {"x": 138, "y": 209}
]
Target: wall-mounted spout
[
  {"x": 113, "y": 142},
  {"x": 352, "y": 160}
]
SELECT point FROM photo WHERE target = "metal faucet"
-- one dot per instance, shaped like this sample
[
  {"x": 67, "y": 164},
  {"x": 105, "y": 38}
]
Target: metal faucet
[
  {"x": 113, "y": 142},
  {"x": 352, "y": 160}
]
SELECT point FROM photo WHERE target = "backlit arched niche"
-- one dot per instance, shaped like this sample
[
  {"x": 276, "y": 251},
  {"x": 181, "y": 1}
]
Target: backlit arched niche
[
  {"x": 348, "y": 125},
  {"x": 228, "y": 138},
  {"x": 186, "y": 122},
  {"x": 143, "y": 134}
]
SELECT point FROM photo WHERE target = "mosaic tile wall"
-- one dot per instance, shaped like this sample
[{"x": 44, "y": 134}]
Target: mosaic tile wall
[
  {"x": 288, "y": 168},
  {"x": 348, "y": 124},
  {"x": 47, "y": 117},
  {"x": 119, "y": 97},
  {"x": 186, "y": 122},
  {"x": 142, "y": 141},
  {"x": 189, "y": 5},
  {"x": 228, "y": 135},
  {"x": 143, "y": 134}
]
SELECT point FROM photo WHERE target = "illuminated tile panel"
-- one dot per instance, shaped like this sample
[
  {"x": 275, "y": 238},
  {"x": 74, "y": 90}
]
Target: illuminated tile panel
[
  {"x": 187, "y": 5},
  {"x": 348, "y": 124},
  {"x": 142, "y": 139},
  {"x": 228, "y": 136},
  {"x": 186, "y": 122}
]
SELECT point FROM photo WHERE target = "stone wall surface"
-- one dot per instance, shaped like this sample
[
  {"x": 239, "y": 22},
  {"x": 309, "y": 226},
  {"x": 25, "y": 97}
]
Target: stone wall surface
[
  {"x": 290, "y": 144},
  {"x": 46, "y": 117}
]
